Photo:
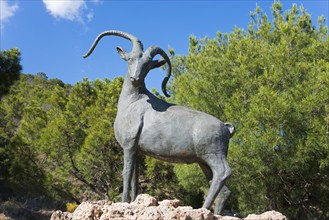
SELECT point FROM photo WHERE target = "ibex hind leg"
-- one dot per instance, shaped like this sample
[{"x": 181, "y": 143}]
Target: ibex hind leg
[
  {"x": 128, "y": 169},
  {"x": 220, "y": 172},
  {"x": 221, "y": 199},
  {"x": 207, "y": 171},
  {"x": 223, "y": 194}
]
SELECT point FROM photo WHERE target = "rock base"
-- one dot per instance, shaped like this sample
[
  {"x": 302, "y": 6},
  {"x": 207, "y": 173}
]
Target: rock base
[{"x": 146, "y": 207}]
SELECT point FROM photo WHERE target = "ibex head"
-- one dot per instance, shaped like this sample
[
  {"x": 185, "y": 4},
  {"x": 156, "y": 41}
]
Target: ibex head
[{"x": 139, "y": 62}]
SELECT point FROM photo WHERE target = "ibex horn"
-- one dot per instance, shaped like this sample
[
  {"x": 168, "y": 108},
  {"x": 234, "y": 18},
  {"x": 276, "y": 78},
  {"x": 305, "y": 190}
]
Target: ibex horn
[
  {"x": 155, "y": 51},
  {"x": 137, "y": 44}
]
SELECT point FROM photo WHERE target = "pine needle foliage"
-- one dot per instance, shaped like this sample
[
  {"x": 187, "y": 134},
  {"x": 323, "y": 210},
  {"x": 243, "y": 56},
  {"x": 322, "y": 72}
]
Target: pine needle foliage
[{"x": 271, "y": 81}]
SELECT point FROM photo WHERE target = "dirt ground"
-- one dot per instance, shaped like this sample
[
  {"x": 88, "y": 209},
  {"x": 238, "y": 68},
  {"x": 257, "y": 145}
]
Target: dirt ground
[{"x": 14, "y": 210}]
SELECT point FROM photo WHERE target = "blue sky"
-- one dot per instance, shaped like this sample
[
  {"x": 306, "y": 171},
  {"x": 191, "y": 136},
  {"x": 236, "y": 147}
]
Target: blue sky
[{"x": 52, "y": 35}]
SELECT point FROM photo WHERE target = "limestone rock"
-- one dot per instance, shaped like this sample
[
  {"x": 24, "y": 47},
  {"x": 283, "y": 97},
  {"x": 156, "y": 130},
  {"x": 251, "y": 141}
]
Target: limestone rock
[
  {"x": 146, "y": 207},
  {"x": 59, "y": 215},
  {"x": 219, "y": 217},
  {"x": 145, "y": 200},
  {"x": 90, "y": 210},
  {"x": 170, "y": 203},
  {"x": 270, "y": 215}
]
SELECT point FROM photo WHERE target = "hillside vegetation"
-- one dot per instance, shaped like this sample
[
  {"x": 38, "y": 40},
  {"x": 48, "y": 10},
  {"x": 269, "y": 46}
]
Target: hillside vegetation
[{"x": 271, "y": 81}]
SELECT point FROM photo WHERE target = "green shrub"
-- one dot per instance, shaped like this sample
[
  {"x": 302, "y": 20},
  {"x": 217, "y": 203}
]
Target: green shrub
[{"x": 71, "y": 206}]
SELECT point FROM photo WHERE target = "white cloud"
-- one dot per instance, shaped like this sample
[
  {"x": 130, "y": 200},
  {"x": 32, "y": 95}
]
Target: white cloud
[
  {"x": 7, "y": 11},
  {"x": 90, "y": 16},
  {"x": 67, "y": 9}
]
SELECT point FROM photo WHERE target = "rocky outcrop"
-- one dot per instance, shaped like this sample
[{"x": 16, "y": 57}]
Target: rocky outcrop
[
  {"x": 146, "y": 207},
  {"x": 270, "y": 215}
]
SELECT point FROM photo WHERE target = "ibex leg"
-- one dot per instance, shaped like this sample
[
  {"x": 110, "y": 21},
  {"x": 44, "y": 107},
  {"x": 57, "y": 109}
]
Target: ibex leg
[
  {"x": 128, "y": 169},
  {"x": 223, "y": 194},
  {"x": 221, "y": 171},
  {"x": 221, "y": 199},
  {"x": 134, "y": 182}
]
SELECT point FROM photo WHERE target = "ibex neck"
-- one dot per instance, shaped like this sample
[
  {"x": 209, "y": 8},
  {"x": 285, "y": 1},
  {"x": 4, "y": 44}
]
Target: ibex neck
[{"x": 130, "y": 93}]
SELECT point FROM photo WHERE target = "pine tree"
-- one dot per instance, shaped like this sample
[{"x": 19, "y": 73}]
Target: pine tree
[
  {"x": 272, "y": 83},
  {"x": 10, "y": 68}
]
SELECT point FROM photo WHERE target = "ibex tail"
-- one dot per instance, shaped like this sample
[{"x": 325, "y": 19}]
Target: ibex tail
[{"x": 230, "y": 128}]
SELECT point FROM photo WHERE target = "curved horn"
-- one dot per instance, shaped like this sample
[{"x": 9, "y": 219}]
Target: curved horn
[
  {"x": 137, "y": 44},
  {"x": 153, "y": 51}
]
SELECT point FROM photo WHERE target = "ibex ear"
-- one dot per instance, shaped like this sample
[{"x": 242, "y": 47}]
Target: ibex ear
[{"x": 122, "y": 53}]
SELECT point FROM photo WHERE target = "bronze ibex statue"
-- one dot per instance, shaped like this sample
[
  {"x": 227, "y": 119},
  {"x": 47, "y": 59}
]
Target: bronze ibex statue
[{"x": 151, "y": 126}]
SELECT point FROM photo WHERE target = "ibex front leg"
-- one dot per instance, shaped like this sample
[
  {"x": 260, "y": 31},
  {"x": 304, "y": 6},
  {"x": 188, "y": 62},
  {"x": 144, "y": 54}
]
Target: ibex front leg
[
  {"x": 130, "y": 156},
  {"x": 134, "y": 182}
]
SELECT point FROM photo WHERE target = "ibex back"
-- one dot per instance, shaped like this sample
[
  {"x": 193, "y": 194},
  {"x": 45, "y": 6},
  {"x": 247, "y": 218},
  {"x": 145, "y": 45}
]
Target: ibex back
[{"x": 148, "y": 125}]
